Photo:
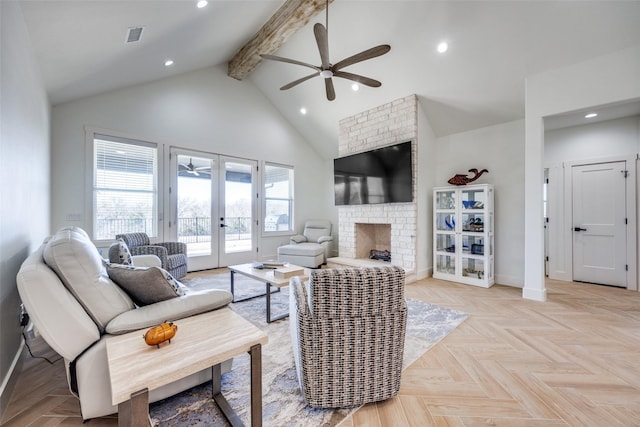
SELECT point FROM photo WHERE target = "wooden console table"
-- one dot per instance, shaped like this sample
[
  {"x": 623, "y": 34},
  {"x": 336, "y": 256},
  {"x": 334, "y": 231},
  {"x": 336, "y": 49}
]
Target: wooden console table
[{"x": 202, "y": 341}]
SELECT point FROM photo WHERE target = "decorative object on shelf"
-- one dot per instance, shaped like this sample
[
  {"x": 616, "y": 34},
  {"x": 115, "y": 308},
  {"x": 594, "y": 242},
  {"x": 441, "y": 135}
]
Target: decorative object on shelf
[
  {"x": 460, "y": 179},
  {"x": 450, "y": 224},
  {"x": 161, "y": 333},
  {"x": 472, "y": 204}
]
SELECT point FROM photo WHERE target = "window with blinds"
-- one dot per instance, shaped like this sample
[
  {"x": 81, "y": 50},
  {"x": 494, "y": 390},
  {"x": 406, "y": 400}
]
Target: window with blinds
[
  {"x": 278, "y": 198},
  {"x": 125, "y": 187}
]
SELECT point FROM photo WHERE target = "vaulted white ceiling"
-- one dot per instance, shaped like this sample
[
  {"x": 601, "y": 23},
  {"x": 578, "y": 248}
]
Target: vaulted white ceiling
[{"x": 480, "y": 81}]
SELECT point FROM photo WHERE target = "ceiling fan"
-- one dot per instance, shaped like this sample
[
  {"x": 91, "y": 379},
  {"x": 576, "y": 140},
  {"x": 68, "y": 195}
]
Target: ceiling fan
[
  {"x": 327, "y": 70},
  {"x": 191, "y": 169}
]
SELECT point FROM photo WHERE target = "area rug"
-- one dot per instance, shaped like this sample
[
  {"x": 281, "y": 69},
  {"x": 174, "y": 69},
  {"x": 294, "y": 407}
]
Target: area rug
[{"x": 282, "y": 400}]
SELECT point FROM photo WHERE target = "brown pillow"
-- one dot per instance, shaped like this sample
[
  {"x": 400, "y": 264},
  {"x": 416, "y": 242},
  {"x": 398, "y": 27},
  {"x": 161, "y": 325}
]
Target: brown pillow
[{"x": 145, "y": 285}]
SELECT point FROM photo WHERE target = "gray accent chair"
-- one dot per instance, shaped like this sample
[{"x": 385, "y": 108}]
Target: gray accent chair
[
  {"x": 173, "y": 255},
  {"x": 76, "y": 307},
  {"x": 310, "y": 249},
  {"x": 348, "y": 329}
]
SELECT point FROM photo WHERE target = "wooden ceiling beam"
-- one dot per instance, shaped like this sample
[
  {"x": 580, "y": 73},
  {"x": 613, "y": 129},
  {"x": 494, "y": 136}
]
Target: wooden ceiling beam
[{"x": 289, "y": 18}]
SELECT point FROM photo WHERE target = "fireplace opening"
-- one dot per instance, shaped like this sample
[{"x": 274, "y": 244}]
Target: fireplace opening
[{"x": 373, "y": 240}]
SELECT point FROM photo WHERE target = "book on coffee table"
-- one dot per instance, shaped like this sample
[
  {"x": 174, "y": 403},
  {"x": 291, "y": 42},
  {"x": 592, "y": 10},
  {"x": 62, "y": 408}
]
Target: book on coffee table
[
  {"x": 288, "y": 272},
  {"x": 268, "y": 265}
]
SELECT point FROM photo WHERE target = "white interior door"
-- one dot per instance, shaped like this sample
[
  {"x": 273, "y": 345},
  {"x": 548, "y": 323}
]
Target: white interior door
[{"x": 599, "y": 223}]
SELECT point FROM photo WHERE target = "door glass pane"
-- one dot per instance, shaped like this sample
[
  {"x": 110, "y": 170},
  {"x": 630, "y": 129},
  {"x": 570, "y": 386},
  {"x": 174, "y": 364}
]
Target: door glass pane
[
  {"x": 473, "y": 222},
  {"x": 473, "y": 199},
  {"x": 445, "y": 264},
  {"x": 472, "y": 245},
  {"x": 194, "y": 204},
  {"x": 445, "y": 200},
  {"x": 238, "y": 189},
  {"x": 445, "y": 221},
  {"x": 445, "y": 243}
]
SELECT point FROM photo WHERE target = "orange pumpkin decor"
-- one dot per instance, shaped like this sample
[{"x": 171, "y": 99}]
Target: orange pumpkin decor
[{"x": 161, "y": 333}]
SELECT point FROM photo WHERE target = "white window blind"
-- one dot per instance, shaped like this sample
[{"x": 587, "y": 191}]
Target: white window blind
[
  {"x": 125, "y": 187},
  {"x": 278, "y": 198}
]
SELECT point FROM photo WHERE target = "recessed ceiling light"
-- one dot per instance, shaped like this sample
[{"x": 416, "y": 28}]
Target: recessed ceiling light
[
  {"x": 202, "y": 3},
  {"x": 355, "y": 87},
  {"x": 303, "y": 111},
  {"x": 168, "y": 62},
  {"x": 443, "y": 47},
  {"x": 591, "y": 115}
]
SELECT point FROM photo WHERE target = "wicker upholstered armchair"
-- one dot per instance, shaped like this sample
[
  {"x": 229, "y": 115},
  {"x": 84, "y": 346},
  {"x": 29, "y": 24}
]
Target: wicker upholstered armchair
[
  {"x": 173, "y": 255},
  {"x": 347, "y": 330}
]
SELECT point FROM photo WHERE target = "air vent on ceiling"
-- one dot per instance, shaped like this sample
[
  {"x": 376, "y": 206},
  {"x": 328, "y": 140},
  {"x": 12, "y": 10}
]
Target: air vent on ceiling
[{"x": 134, "y": 34}]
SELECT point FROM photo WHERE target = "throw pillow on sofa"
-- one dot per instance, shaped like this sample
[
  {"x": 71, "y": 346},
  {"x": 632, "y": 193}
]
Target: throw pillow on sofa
[
  {"x": 146, "y": 285},
  {"x": 119, "y": 253}
]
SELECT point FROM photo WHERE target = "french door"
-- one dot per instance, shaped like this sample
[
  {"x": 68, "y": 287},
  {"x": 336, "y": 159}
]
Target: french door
[{"x": 213, "y": 208}]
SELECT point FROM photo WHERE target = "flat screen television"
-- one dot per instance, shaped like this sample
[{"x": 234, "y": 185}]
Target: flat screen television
[{"x": 383, "y": 175}]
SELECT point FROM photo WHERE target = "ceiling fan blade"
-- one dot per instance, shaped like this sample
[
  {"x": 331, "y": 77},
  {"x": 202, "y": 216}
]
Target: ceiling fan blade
[
  {"x": 331, "y": 93},
  {"x": 358, "y": 78},
  {"x": 362, "y": 56},
  {"x": 323, "y": 45},
  {"x": 297, "y": 82},
  {"x": 290, "y": 61}
]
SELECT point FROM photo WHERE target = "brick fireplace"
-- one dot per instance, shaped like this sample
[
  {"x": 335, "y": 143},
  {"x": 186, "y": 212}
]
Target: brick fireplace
[{"x": 390, "y": 226}]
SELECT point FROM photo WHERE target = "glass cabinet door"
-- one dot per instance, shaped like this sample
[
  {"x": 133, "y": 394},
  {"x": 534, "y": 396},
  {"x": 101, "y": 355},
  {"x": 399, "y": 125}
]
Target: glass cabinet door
[
  {"x": 445, "y": 221},
  {"x": 446, "y": 200},
  {"x": 472, "y": 267},
  {"x": 446, "y": 243}
]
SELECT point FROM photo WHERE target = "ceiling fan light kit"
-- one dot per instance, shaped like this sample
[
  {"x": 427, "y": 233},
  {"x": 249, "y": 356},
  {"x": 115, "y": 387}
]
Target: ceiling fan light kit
[{"x": 327, "y": 70}]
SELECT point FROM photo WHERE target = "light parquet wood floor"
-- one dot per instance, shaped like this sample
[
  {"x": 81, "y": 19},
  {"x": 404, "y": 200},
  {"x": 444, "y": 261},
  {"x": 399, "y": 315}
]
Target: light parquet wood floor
[{"x": 571, "y": 361}]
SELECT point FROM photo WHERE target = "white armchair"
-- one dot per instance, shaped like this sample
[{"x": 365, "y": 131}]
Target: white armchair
[{"x": 310, "y": 249}]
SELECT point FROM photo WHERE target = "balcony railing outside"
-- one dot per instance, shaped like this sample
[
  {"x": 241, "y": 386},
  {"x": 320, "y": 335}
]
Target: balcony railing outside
[
  {"x": 190, "y": 230},
  {"x": 198, "y": 229}
]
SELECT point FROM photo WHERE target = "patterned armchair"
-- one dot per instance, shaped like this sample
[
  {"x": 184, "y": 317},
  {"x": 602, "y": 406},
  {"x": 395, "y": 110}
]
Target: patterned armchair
[
  {"x": 173, "y": 255},
  {"x": 347, "y": 330}
]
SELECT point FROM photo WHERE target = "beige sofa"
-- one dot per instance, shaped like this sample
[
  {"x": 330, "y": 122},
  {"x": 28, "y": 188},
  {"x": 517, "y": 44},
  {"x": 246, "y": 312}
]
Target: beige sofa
[{"x": 75, "y": 306}]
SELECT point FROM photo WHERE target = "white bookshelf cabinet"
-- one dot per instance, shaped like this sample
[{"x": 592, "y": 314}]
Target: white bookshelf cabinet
[{"x": 463, "y": 227}]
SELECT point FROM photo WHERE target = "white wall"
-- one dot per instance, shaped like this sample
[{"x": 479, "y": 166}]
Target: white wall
[
  {"x": 608, "y": 79},
  {"x": 592, "y": 141},
  {"x": 203, "y": 110},
  {"x": 426, "y": 176},
  {"x": 500, "y": 149},
  {"x": 24, "y": 175}
]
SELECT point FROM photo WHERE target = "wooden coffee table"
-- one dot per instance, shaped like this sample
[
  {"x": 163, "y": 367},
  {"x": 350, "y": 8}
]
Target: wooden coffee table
[
  {"x": 202, "y": 341},
  {"x": 266, "y": 276}
]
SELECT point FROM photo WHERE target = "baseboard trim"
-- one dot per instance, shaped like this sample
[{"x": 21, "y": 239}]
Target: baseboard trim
[
  {"x": 9, "y": 382},
  {"x": 535, "y": 294}
]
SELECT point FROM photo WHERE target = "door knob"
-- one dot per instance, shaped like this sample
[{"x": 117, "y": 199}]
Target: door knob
[{"x": 579, "y": 229}]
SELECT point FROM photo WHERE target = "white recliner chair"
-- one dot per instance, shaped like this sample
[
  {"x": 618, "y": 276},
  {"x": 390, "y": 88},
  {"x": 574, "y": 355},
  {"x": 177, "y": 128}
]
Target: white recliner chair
[
  {"x": 76, "y": 307},
  {"x": 312, "y": 248}
]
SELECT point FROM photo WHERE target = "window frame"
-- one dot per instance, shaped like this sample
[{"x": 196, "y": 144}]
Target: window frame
[
  {"x": 291, "y": 200},
  {"x": 91, "y": 134}
]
